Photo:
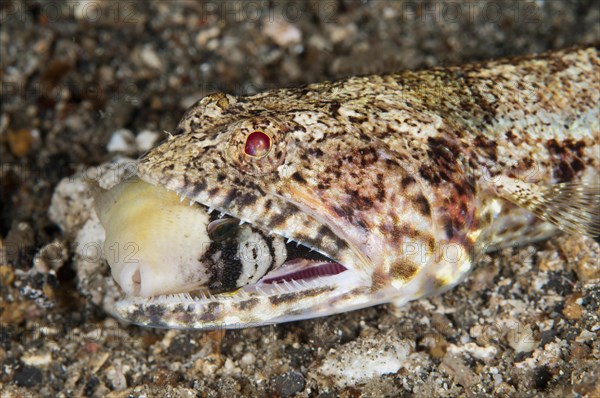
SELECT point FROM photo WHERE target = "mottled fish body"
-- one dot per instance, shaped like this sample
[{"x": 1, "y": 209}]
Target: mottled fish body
[{"x": 399, "y": 182}]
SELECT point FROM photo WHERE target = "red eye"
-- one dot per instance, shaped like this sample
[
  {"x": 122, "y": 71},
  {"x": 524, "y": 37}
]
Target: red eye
[{"x": 257, "y": 144}]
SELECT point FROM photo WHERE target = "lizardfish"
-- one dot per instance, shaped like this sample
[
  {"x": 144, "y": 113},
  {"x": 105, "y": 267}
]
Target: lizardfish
[{"x": 303, "y": 202}]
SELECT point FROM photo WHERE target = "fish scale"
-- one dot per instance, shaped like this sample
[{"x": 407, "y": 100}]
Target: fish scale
[{"x": 404, "y": 179}]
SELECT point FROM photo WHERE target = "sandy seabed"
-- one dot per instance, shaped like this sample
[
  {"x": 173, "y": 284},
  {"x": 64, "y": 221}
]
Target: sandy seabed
[{"x": 83, "y": 82}]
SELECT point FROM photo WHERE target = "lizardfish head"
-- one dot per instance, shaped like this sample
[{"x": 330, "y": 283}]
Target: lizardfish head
[{"x": 336, "y": 220}]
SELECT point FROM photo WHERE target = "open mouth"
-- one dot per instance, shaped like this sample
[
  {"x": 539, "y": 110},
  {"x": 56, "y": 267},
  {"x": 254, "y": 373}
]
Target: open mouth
[
  {"x": 191, "y": 249},
  {"x": 301, "y": 263},
  {"x": 302, "y": 267}
]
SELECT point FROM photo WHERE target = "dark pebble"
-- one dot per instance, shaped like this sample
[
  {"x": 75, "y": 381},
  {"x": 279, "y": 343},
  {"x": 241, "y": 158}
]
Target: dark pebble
[
  {"x": 547, "y": 336},
  {"x": 561, "y": 282},
  {"x": 28, "y": 376},
  {"x": 541, "y": 378},
  {"x": 571, "y": 334},
  {"x": 300, "y": 356},
  {"x": 7, "y": 334},
  {"x": 289, "y": 383},
  {"x": 90, "y": 386},
  {"x": 183, "y": 346}
]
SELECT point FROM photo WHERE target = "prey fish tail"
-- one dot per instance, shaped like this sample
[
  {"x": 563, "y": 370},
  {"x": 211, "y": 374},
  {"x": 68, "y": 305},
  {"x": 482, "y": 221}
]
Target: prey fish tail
[{"x": 364, "y": 191}]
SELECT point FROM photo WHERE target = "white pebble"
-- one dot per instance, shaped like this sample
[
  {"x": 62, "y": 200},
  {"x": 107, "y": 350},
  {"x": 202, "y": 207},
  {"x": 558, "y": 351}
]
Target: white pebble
[
  {"x": 150, "y": 58},
  {"x": 585, "y": 336},
  {"x": 122, "y": 140},
  {"x": 207, "y": 34},
  {"x": 483, "y": 353},
  {"x": 145, "y": 140},
  {"x": 248, "y": 359},
  {"x": 365, "y": 359},
  {"x": 282, "y": 32},
  {"x": 39, "y": 360},
  {"x": 521, "y": 339}
]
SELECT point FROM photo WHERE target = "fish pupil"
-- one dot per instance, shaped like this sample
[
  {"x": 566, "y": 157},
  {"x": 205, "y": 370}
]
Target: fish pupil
[{"x": 222, "y": 229}]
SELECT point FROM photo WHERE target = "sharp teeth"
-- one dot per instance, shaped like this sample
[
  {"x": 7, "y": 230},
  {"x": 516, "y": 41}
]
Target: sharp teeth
[
  {"x": 289, "y": 240},
  {"x": 242, "y": 222},
  {"x": 281, "y": 290},
  {"x": 304, "y": 284},
  {"x": 221, "y": 215},
  {"x": 181, "y": 199},
  {"x": 297, "y": 244},
  {"x": 296, "y": 284},
  {"x": 210, "y": 210},
  {"x": 260, "y": 291},
  {"x": 191, "y": 202}
]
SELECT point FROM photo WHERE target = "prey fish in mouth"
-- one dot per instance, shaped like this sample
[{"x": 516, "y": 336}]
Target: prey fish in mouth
[{"x": 299, "y": 203}]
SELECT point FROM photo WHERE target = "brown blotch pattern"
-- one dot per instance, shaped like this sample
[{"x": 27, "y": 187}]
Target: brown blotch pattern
[
  {"x": 288, "y": 297},
  {"x": 403, "y": 269}
]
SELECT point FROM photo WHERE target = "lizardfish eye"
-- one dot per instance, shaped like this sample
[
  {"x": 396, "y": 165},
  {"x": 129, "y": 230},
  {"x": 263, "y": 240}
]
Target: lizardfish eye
[
  {"x": 258, "y": 144},
  {"x": 222, "y": 229}
]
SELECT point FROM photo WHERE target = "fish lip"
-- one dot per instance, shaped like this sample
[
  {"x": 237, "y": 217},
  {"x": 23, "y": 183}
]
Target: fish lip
[{"x": 214, "y": 311}]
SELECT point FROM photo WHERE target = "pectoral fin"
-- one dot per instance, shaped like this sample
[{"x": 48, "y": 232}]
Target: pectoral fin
[{"x": 573, "y": 206}]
